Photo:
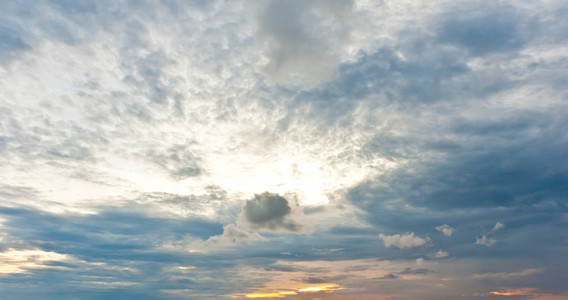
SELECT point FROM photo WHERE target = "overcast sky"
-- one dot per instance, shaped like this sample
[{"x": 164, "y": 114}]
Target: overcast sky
[{"x": 393, "y": 149}]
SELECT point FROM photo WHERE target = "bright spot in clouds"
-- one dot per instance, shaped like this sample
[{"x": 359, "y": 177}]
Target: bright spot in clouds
[{"x": 330, "y": 287}]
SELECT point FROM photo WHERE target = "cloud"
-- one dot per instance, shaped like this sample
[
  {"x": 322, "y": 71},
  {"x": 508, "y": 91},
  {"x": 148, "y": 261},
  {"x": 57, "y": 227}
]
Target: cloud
[
  {"x": 498, "y": 226},
  {"x": 407, "y": 240},
  {"x": 11, "y": 45},
  {"x": 411, "y": 271},
  {"x": 445, "y": 229},
  {"x": 234, "y": 234},
  {"x": 484, "y": 31},
  {"x": 442, "y": 254},
  {"x": 117, "y": 118},
  {"x": 177, "y": 160},
  {"x": 525, "y": 272},
  {"x": 485, "y": 241},
  {"x": 299, "y": 38},
  {"x": 13, "y": 261},
  {"x": 269, "y": 211}
]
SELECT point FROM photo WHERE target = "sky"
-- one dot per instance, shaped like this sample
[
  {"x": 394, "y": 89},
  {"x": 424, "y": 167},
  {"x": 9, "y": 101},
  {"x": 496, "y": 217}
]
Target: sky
[{"x": 284, "y": 149}]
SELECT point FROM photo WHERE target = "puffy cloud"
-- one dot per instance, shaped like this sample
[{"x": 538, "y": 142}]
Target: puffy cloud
[
  {"x": 442, "y": 254},
  {"x": 498, "y": 226},
  {"x": 485, "y": 241},
  {"x": 269, "y": 211},
  {"x": 407, "y": 240},
  {"x": 445, "y": 229}
]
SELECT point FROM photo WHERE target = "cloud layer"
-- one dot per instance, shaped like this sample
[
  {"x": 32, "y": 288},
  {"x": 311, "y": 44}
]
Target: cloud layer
[{"x": 218, "y": 149}]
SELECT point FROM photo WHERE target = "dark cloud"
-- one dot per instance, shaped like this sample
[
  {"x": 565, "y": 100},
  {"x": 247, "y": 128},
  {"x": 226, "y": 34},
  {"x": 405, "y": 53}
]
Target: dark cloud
[
  {"x": 107, "y": 231},
  {"x": 410, "y": 271},
  {"x": 389, "y": 276},
  {"x": 11, "y": 45},
  {"x": 269, "y": 211},
  {"x": 484, "y": 30}
]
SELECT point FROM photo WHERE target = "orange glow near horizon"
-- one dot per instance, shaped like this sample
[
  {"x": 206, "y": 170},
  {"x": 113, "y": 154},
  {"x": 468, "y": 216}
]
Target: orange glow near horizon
[
  {"x": 302, "y": 290},
  {"x": 521, "y": 292}
]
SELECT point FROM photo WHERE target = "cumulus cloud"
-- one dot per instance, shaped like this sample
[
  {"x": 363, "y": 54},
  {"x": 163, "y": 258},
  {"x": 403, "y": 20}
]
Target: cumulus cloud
[
  {"x": 485, "y": 241},
  {"x": 269, "y": 211},
  {"x": 445, "y": 229},
  {"x": 407, "y": 240},
  {"x": 442, "y": 254},
  {"x": 498, "y": 226}
]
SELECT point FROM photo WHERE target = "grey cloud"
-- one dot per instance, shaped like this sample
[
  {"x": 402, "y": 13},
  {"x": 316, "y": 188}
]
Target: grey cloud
[
  {"x": 390, "y": 276},
  {"x": 17, "y": 192},
  {"x": 269, "y": 211},
  {"x": 483, "y": 30},
  {"x": 410, "y": 271},
  {"x": 315, "y": 280},
  {"x": 233, "y": 234},
  {"x": 177, "y": 160},
  {"x": 300, "y": 38},
  {"x": 11, "y": 45}
]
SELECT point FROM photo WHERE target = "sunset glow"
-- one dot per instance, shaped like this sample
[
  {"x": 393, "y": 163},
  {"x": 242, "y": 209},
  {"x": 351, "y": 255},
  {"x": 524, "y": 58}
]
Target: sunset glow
[
  {"x": 301, "y": 290},
  {"x": 520, "y": 292},
  {"x": 318, "y": 288}
]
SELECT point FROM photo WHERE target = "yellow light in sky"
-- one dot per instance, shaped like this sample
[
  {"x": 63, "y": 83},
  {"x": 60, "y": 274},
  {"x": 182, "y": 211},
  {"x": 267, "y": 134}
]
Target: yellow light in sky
[
  {"x": 273, "y": 295},
  {"x": 304, "y": 290},
  {"x": 263, "y": 295},
  {"x": 317, "y": 288}
]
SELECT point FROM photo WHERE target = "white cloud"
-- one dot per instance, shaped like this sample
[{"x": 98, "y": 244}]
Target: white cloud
[
  {"x": 407, "y": 240},
  {"x": 14, "y": 261},
  {"x": 485, "y": 241},
  {"x": 445, "y": 229},
  {"x": 498, "y": 226},
  {"x": 442, "y": 254}
]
